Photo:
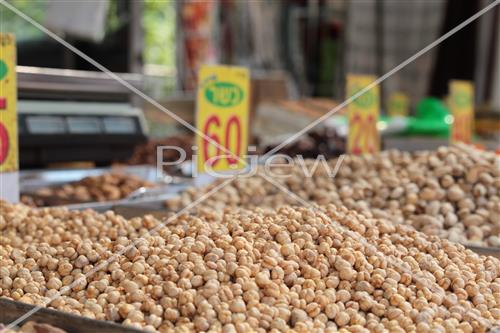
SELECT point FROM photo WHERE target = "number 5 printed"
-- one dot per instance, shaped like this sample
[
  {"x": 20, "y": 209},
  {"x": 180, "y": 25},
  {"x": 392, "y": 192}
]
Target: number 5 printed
[{"x": 365, "y": 135}]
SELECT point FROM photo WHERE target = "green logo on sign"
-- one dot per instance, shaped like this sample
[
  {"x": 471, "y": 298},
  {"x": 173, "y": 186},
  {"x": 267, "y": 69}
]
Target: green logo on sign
[
  {"x": 397, "y": 104},
  {"x": 365, "y": 100},
  {"x": 3, "y": 69},
  {"x": 223, "y": 94},
  {"x": 462, "y": 99}
]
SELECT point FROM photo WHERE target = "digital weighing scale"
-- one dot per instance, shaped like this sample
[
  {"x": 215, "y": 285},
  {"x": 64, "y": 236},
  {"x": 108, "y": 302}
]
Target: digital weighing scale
[{"x": 76, "y": 116}]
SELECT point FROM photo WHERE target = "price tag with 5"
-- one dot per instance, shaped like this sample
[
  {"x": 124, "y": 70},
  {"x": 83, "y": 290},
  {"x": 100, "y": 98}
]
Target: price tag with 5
[
  {"x": 363, "y": 113},
  {"x": 222, "y": 115},
  {"x": 461, "y": 103},
  {"x": 399, "y": 105}
]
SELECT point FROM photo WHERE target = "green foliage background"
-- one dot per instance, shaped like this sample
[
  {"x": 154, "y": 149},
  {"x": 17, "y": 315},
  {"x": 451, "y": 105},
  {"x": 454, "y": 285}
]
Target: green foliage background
[
  {"x": 159, "y": 32},
  {"x": 158, "y": 26},
  {"x": 10, "y": 22}
]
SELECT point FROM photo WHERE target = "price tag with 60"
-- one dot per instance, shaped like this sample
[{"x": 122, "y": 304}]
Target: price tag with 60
[
  {"x": 362, "y": 113},
  {"x": 222, "y": 115}
]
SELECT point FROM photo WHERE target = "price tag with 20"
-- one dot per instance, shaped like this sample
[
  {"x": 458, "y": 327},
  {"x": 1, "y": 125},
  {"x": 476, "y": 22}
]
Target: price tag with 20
[{"x": 363, "y": 113}]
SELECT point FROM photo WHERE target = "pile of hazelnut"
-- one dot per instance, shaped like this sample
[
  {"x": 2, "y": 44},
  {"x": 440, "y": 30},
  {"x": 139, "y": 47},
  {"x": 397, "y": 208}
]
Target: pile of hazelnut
[
  {"x": 106, "y": 187},
  {"x": 323, "y": 269},
  {"x": 452, "y": 192}
]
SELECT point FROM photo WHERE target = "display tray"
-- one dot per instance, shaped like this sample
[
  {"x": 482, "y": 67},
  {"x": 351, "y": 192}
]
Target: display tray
[
  {"x": 141, "y": 196},
  {"x": 12, "y": 310},
  {"x": 486, "y": 251},
  {"x": 131, "y": 208},
  {"x": 31, "y": 180},
  {"x": 151, "y": 201}
]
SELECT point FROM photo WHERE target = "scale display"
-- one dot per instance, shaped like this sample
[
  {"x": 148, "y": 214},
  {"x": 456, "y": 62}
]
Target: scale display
[
  {"x": 50, "y": 125},
  {"x": 119, "y": 125},
  {"x": 76, "y": 131},
  {"x": 46, "y": 125},
  {"x": 84, "y": 125}
]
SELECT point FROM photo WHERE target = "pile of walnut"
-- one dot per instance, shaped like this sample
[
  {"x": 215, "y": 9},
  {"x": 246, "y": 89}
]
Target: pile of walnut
[
  {"x": 241, "y": 271},
  {"x": 147, "y": 153},
  {"x": 453, "y": 192},
  {"x": 106, "y": 187}
]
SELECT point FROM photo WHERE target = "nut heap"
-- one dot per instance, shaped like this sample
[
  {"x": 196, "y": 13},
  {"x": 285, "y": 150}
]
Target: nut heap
[
  {"x": 323, "y": 141},
  {"x": 106, "y": 187},
  {"x": 240, "y": 271},
  {"x": 21, "y": 225},
  {"x": 453, "y": 192}
]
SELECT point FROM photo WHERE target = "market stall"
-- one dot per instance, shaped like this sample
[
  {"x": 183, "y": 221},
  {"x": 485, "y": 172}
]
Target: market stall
[{"x": 243, "y": 176}]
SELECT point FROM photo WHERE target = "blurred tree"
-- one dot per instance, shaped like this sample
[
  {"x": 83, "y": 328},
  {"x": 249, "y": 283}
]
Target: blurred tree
[
  {"x": 10, "y": 22},
  {"x": 159, "y": 32}
]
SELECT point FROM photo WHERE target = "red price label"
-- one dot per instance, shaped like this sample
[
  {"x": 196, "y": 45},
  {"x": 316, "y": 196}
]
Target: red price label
[
  {"x": 229, "y": 132},
  {"x": 4, "y": 143}
]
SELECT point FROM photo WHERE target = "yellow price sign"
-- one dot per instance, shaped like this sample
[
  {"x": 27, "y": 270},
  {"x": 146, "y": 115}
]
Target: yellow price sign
[
  {"x": 223, "y": 102},
  {"x": 461, "y": 103},
  {"x": 362, "y": 113},
  {"x": 8, "y": 100},
  {"x": 399, "y": 105}
]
